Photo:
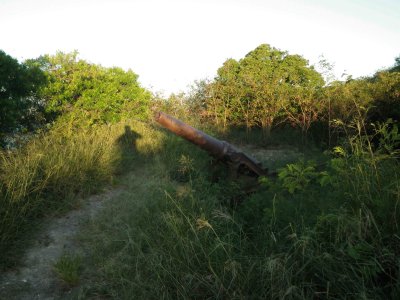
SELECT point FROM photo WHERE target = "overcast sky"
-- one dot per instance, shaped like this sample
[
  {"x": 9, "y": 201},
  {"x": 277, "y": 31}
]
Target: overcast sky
[{"x": 171, "y": 43}]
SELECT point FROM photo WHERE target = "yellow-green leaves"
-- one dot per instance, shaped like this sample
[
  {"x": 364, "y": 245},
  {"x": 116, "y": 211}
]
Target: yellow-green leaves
[{"x": 92, "y": 93}]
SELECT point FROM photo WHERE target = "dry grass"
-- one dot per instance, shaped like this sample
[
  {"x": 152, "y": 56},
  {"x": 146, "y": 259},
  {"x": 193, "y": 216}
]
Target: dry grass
[{"x": 41, "y": 176}]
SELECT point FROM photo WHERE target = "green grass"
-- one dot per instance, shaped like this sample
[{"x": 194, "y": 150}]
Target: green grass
[
  {"x": 168, "y": 238},
  {"x": 68, "y": 269},
  {"x": 56, "y": 168},
  {"x": 175, "y": 233}
]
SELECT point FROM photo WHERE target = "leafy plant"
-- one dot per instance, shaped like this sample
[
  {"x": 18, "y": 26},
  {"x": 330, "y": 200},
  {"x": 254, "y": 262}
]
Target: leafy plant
[
  {"x": 68, "y": 268},
  {"x": 296, "y": 176},
  {"x": 389, "y": 138}
]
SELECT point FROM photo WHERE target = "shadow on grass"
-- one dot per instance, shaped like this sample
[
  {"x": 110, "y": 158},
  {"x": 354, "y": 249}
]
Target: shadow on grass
[
  {"x": 127, "y": 149},
  {"x": 58, "y": 170}
]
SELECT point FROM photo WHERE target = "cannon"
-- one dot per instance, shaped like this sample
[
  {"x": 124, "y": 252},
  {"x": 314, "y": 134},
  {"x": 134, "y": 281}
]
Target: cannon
[{"x": 221, "y": 150}]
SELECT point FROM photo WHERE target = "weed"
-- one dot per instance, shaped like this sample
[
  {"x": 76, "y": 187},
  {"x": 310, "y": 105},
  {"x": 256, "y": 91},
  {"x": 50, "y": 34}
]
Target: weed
[
  {"x": 68, "y": 268},
  {"x": 295, "y": 177}
]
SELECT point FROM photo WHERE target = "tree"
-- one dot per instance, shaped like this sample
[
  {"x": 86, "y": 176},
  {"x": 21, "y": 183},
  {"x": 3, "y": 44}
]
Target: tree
[
  {"x": 386, "y": 97},
  {"x": 90, "y": 93},
  {"x": 396, "y": 66},
  {"x": 256, "y": 89},
  {"x": 225, "y": 104},
  {"x": 348, "y": 99},
  {"x": 19, "y": 102},
  {"x": 197, "y": 97},
  {"x": 304, "y": 109},
  {"x": 302, "y": 105}
]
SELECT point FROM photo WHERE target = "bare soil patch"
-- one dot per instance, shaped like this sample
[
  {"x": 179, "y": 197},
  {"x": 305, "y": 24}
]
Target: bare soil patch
[{"x": 36, "y": 278}]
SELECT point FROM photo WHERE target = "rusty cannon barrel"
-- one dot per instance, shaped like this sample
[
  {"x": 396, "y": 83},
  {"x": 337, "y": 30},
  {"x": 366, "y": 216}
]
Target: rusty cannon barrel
[{"x": 218, "y": 149}]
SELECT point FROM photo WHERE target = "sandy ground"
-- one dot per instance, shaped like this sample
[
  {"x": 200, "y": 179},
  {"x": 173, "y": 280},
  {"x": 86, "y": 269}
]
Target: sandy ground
[{"x": 36, "y": 279}]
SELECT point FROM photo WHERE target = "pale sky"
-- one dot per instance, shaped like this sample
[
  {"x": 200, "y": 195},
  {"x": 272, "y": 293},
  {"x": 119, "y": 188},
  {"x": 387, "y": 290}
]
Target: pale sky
[{"x": 171, "y": 43}]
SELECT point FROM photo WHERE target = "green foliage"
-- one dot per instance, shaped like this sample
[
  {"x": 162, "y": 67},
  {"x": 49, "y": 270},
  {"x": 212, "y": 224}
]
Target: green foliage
[
  {"x": 295, "y": 177},
  {"x": 19, "y": 103},
  {"x": 180, "y": 240},
  {"x": 174, "y": 105},
  {"x": 373, "y": 99},
  {"x": 173, "y": 233},
  {"x": 388, "y": 137},
  {"x": 346, "y": 98},
  {"x": 255, "y": 90},
  {"x": 386, "y": 95},
  {"x": 269, "y": 88},
  {"x": 90, "y": 93}
]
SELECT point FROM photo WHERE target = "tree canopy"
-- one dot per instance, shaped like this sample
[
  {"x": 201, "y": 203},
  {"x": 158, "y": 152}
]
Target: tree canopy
[
  {"x": 91, "y": 92},
  {"x": 266, "y": 88},
  {"x": 255, "y": 90},
  {"x": 19, "y": 100}
]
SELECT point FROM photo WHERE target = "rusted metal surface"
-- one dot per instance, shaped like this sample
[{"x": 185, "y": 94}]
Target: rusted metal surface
[{"x": 218, "y": 149}]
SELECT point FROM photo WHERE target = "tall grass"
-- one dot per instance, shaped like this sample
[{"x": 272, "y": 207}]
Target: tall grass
[
  {"x": 173, "y": 233},
  {"x": 178, "y": 239},
  {"x": 57, "y": 166}
]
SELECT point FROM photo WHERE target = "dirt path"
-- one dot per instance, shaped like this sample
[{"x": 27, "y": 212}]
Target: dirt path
[{"x": 36, "y": 279}]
